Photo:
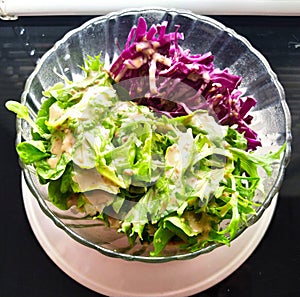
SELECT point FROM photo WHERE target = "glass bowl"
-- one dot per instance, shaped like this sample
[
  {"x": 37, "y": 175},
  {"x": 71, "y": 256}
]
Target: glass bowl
[{"x": 202, "y": 34}]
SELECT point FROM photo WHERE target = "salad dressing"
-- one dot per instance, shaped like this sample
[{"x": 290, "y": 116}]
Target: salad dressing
[
  {"x": 59, "y": 146},
  {"x": 56, "y": 151}
]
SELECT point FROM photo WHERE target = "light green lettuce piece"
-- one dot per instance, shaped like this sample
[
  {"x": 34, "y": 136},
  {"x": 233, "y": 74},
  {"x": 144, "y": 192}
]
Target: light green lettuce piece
[
  {"x": 154, "y": 204},
  {"x": 22, "y": 113},
  {"x": 32, "y": 151},
  {"x": 44, "y": 170},
  {"x": 93, "y": 106},
  {"x": 86, "y": 180}
]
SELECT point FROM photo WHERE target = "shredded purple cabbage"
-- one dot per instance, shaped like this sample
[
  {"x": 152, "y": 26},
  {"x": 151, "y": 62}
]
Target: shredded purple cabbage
[{"x": 159, "y": 73}]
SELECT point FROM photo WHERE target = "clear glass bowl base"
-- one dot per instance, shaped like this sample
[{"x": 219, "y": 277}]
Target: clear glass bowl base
[{"x": 137, "y": 279}]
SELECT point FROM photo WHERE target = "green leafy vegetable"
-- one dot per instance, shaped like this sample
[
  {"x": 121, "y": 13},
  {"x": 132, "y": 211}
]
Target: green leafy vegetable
[
  {"x": 32, "y": 151},
  {"x": 23, "y": 113},
  {"x": 185, "y": 180}
]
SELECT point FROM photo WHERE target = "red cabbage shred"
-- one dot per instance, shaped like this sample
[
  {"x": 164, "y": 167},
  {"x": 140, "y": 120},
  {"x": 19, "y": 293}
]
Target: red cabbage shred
[{"x": 159, "y": 73}]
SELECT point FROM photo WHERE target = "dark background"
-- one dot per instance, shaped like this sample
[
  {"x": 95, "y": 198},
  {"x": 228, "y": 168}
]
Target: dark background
[{"x": 25, "y": 270}]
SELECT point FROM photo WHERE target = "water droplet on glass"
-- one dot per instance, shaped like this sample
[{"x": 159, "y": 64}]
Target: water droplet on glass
[
  {"x": 32, "y": 52},
  {"x": 27, "y": 44},
  {"x": 67, "y": 57},
  {"x": 22, "y": 31}
]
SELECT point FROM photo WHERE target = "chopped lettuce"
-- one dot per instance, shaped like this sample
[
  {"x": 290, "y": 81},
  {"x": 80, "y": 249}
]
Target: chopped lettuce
[{"x": 184, "y": 178}]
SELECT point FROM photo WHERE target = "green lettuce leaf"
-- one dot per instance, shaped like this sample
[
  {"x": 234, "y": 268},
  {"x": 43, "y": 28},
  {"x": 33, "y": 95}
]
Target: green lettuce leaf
[{"x": 32, "y": 151}]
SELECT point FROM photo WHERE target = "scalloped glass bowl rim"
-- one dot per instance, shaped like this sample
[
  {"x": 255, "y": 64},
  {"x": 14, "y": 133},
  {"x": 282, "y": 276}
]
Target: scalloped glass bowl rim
[{"x": 220, "y": 26}]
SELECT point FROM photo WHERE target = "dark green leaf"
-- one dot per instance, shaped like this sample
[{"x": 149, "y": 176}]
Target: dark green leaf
[
  {"x": 43, "y": 116},
  {"x": 56, "y": 197},
  {"x": 161, "y": 238}
]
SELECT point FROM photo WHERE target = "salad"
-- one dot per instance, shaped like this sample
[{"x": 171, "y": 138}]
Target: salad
[{"x": 158, "y": 145}]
